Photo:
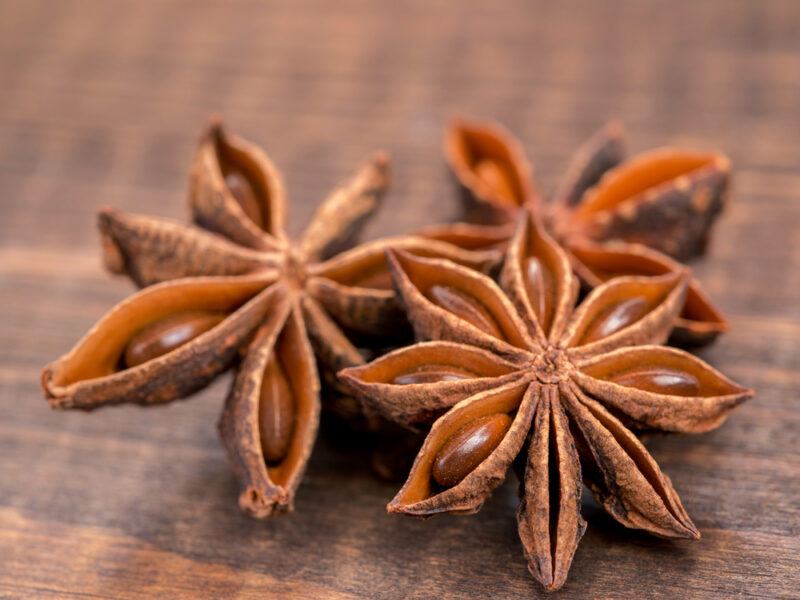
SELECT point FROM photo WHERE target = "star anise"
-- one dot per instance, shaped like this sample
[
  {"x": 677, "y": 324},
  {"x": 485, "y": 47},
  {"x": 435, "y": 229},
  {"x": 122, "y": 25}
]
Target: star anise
[
  {"x": 655, "y": 205},
  {"x": 241, "y": 286},
  {"x": 516, "y": 372}
]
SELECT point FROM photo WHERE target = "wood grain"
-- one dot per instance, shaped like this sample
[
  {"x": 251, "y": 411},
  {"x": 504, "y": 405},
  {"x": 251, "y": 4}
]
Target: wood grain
[{"x": 102, "y": 104}]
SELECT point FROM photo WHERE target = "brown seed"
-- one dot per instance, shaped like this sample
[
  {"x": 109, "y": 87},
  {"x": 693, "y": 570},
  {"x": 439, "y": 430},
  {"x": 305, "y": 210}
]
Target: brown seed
[
  {"x": 245, "y": 195},
  {"x": 497, "y": 180},
  {"x": 465, "y": 307},
  {"x": 433, "y": 374},
  {"x": 167, "y": 334},
  {"x": 276, "y": 413},
  {"x": 659, "y": 380},
  {"x": 539, "y": 291},
  {"x": 468, "y": 447},
  {"x": 615, "y": 318}
]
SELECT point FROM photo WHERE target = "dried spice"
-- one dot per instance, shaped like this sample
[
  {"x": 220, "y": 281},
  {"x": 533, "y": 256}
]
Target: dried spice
[
  {"x": 665, "y": 199},
  {"x": 239, "y": 285},
  {"x": 517, "y": 373}
]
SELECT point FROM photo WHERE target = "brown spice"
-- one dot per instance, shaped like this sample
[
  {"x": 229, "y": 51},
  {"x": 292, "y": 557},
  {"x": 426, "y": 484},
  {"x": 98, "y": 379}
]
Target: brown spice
[
  {"x": 658, "y": 204},
  {"x": 167, "y": 334},
  {"x": 239, "y": 285},
  {"x": 574, "y": 387}
]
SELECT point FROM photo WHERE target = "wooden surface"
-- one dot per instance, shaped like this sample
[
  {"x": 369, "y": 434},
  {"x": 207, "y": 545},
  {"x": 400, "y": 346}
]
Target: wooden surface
[{"x": 102, "y": 103}]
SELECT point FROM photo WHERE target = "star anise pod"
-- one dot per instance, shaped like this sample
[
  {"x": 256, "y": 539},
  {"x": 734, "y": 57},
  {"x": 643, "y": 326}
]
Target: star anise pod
[
  {"x": 656, "y": 204},
  {"x": 241, "y": 286},
  {"x": 516, "y": 372}
]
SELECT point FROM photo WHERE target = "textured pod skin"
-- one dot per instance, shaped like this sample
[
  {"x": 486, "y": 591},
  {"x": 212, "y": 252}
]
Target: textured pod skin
[
  {"x": 336, "y": 286},
  {"x": 240, "y": 261},
  {"x": 674, "y": 215},
  {"x": 699, "y": 322},
  {"x": 468, "y": 142},
  {"x": 412, "y": 404},
  {"x": 417, "y": 497},
  {"x": 267, "y": 489},
  {"x": 602, "y": 152},
  {"x": 214, "y": 206},
  {"x": 660, "y": 203},
  {"x": 168, "y": 377},
  {"x": 668, "y": 198},
  {"x": 150, "y": 250},
  {"x": 710, "y": 405},
  {"x": 572, "y": 395}
]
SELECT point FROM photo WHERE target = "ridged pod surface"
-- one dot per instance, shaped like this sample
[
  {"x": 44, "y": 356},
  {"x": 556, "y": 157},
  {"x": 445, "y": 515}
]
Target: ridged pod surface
[{"x": 519, "y": 362}]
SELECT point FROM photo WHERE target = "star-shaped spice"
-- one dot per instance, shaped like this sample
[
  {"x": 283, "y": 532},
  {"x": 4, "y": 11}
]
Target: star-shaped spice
[
  {"x": 654, "y": 205},
  {"x": 517, "y": 373},
  {"x": 240, "y": 286}
]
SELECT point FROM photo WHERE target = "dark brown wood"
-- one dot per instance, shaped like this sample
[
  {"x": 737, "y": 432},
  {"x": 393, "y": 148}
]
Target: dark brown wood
[{"x": 102, "y": 104}]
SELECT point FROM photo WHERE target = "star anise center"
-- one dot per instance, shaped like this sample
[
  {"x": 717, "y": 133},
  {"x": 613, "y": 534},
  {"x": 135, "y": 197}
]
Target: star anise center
[
  {"x": 551, "y": 366},
  {"x": 294, "y": 268}
]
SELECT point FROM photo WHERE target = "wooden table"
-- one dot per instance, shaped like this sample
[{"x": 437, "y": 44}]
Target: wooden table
[{"x": 102, "y": 103}]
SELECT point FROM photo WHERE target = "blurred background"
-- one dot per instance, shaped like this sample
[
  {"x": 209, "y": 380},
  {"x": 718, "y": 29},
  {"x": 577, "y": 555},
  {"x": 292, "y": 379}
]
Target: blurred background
[{"x": 102, "y": 103}]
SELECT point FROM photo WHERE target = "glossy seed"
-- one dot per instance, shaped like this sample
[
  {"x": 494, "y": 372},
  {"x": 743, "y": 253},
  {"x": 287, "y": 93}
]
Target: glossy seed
[
  {"x": 276, "y": 413},
  {"x": 167, "y": 334},
  {"x": 468, "y": 447},
  {"x": 245, "y": 195},
  {"x": 659, "y": 380},
  {"x": 615, "y": 318},
  {"x": 433, "y": 374},
  {"x": 465, "y": 307},
  {"x": 493, "y": 175},
  {"x": 539, "y": 292}
]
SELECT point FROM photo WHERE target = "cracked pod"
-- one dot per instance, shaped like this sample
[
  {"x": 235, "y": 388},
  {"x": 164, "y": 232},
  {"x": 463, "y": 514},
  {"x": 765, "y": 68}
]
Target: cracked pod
[
  {"x": 271, "y": 415},
  {"x": 161, "y": 344},
  {"x": 665, "y": 199},
  {"x": 301, "y": 297},
  {"x": 699, "y": 321},
  {"x": 519, "y": 362}
]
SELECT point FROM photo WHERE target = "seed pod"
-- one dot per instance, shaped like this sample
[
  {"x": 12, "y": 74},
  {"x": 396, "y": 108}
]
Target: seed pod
[
  {"x": 89, "y": 375},
  {"x": 465, "y": 307},
  {"x": 391, "y": 383},
  {"x": 539, "y": 280},
  {"x": 271, "y": 415},
  {"x": 468, "y": 447},
  {"x": 152, "y": 250},
  {"x": 468, "y": 451},
  {"x": 564, "y": 397},
  {"x": 433, "y": 373},
  {"x": 242, "y": 190},
  {"x": 659, "y": 380},
  {"x": 615, "y": 317},
  {"x": 599, "y": 154},
  {"x": 235, "y": 190},
  {"x": 604, "y": 321},
  {"x": 166, "y": 334},
  {"x": 700, "y": 322},
  {"x": 276, "y": 412},
  {"x": 499, "y": 183},
  {"x": 681, "y": 191},
  {"x": 439, "y": 308},
  {"x": 355, "y": 286},
  {"x": 492, "y": 171},
  {"x": 539, "y": 290},
  {"x": 663, "y": 388}
]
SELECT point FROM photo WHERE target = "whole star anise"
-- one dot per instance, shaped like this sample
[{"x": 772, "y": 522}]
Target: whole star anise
[
  {"x": 516, "y": 372},
  {"x": 655, "y": 205},
  {"x": 241, "y": 286}
]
